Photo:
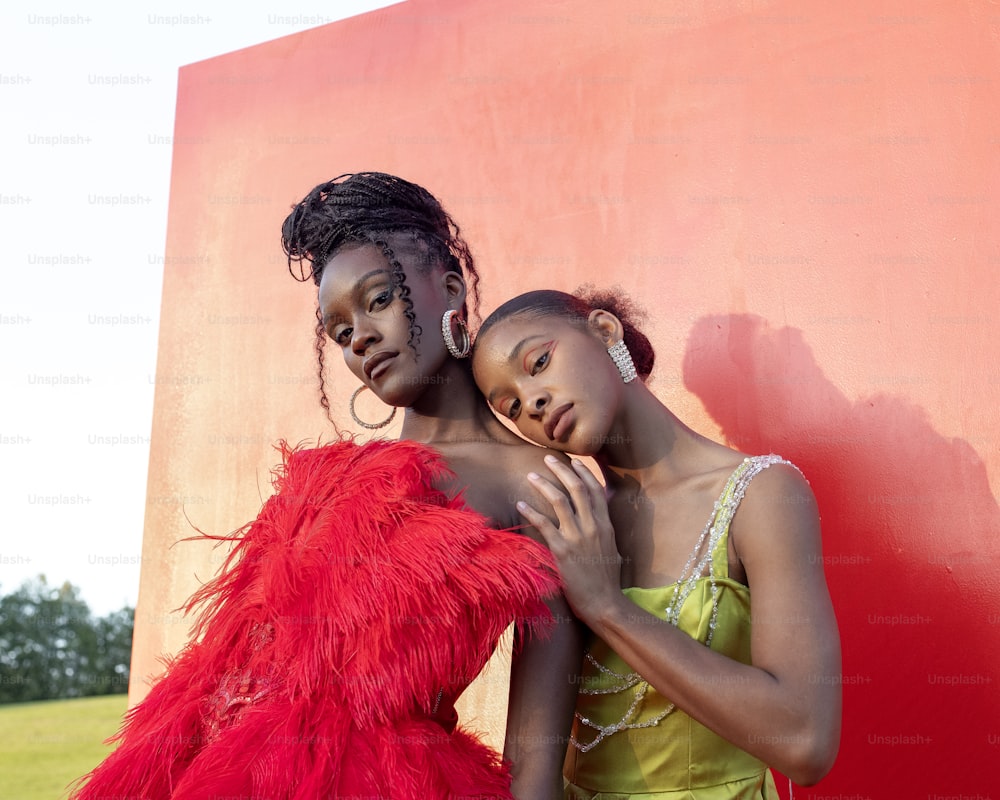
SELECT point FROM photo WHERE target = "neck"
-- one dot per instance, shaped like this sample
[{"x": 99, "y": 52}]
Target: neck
[
  {"x": 450, "y": 410},
  {"x": 646, "y": 441}
]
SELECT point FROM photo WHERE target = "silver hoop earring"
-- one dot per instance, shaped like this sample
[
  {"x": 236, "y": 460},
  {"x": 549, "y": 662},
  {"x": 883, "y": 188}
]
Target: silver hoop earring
[
  {"x": 449, "y": 338},
  {"x": 623, "y": 360},
  {"x": 369, "y": 425}
]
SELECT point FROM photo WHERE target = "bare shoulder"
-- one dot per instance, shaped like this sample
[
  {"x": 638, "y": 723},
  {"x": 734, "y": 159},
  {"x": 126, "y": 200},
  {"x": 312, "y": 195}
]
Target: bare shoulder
[
  {"x": 779, "y": 485},
  {"x": 493, "y": 476},
  {"x": 532, "y": 457},
  {"x": 778, "y": 510},
  {"x": 519, "y": 460}
]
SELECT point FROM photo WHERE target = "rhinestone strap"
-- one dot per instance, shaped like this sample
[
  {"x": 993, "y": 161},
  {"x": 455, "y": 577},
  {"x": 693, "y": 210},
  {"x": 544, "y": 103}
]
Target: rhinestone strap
[{"x": 694, "y": 568}]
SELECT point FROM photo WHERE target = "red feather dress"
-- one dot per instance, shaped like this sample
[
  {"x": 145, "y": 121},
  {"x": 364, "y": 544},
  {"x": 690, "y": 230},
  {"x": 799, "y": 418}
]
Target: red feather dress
[{"x": 355, "y": 597}]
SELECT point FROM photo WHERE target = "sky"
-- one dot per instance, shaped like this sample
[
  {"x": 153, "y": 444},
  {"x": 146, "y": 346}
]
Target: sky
[{"x": 87, "y": 97}]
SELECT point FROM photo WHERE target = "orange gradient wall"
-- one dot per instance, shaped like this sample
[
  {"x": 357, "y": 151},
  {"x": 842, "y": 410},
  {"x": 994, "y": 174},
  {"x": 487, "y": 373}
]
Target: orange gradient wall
[{"x": 802, "y": 195}]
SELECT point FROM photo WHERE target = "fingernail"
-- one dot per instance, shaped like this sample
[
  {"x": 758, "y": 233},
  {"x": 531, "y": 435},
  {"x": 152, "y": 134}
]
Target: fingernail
[
  {"x": 577, "y": 462},
  {"x": 551, "y": 459},
  {"x": 521, "y": 505},
  {"x": 533, "y": 476}
]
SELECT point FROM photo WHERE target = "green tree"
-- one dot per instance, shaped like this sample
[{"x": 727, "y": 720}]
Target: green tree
[
  {"x": 114, "y": 651},
  {"x": 52, "y": 647}
]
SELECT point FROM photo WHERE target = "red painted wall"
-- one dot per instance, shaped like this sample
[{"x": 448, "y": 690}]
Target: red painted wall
[{"x": 802, "y": 195}]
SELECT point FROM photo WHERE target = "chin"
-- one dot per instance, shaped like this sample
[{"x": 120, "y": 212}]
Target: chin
[
  {"x": 562, "y": 447},
  {"x": 576, "y": 445},
  {"x": 397, "y": 398},
  {"x": 586, "y": 443},
  {"x": 404, "y": 393}
]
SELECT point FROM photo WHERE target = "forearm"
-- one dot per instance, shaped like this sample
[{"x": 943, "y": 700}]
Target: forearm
[
  {"x": 784, "y": 721},
  {"x": 544, "y": 681}
]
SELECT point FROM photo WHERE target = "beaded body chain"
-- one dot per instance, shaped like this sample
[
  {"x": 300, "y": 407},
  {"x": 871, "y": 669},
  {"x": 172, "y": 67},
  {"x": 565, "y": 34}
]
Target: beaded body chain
[{"x": 694, "y": 568}]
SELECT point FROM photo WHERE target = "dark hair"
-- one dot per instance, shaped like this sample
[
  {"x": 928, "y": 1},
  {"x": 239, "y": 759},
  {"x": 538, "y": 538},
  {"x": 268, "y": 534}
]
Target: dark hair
[
  {"x": 367, "y": 208},
  {"x": 576, "y": 308}
]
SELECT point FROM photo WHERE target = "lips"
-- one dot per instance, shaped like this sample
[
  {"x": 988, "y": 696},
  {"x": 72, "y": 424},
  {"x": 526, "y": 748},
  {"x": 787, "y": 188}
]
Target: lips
[
  {"x": 373, "y": 364},
  {"x": 553, "y": 428}
]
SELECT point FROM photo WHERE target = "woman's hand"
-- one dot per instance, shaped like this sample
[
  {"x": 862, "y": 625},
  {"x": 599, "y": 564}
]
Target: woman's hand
[{"x": 583, "y": 544}]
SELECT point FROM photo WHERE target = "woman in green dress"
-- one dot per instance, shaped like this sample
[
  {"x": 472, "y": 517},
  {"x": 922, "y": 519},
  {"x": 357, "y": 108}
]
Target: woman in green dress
[{"x": 686, "y": 691}]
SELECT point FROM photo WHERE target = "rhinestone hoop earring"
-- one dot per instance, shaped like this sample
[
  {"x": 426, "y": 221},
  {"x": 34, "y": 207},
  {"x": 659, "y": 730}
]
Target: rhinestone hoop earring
[
  {"x": 623, "y": 360},
  {"x": 369, "y": 425},
  {"x": 449, "y": 338}
]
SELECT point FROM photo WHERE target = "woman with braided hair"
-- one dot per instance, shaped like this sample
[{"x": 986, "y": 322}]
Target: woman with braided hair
[{"x": 377, "y": 580}]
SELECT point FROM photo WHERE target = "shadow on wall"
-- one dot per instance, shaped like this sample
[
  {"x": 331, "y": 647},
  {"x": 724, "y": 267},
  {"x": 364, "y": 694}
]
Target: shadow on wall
[{"x": 911, "y": 544}]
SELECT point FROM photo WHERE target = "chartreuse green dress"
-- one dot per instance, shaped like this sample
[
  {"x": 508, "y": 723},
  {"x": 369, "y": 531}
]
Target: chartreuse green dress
[{"x": 629, "y": 741}]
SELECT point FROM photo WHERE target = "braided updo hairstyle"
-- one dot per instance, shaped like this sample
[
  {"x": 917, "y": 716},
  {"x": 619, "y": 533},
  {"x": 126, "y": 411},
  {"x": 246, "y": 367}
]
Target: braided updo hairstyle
[
  {"x": 576, "y": 308},
  {"x": 367, "y": 208}
]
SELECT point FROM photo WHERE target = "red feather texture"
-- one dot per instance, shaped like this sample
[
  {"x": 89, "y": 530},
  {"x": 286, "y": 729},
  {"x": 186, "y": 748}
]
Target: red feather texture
[{"x": 357, "y": 594}]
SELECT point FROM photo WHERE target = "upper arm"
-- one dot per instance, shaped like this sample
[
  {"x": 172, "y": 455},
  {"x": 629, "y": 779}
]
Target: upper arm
[
  {"x": 545, "y": 668},
  {"x": 794, "y": 637}
]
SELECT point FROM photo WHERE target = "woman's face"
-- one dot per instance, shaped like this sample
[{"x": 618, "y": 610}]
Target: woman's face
[
  {"x": 363, "y": 314},
  {"x": 554, "y": 380}
]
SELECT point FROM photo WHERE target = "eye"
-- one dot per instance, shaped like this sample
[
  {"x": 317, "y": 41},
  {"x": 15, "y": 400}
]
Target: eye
[
  {"x": 380, "y": 300},
  {"x": 540, "y": 363},
  {"x": 342, "y": 336},
  {"x": 513, "y": 409}
]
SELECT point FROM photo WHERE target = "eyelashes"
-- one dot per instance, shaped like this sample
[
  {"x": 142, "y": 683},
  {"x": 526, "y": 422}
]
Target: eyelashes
[
  {"x": 540, "y": 362},
  {"x": 532, "y": 366},
  {"x": 381, "y": 300}
]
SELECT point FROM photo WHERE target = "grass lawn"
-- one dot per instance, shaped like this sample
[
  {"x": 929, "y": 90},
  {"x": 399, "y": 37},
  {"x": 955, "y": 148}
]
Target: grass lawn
[{"x": 46, "y": 745}]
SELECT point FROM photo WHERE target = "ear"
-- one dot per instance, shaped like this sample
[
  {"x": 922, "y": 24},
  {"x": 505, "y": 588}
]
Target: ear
[
  {"x": 606, "y": 326},
  {"x": 454, "y": 287}
]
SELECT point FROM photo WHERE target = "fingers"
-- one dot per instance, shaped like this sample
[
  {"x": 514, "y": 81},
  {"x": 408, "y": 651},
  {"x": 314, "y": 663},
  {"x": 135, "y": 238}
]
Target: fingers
[
  {"x": 549, "y": 532},
  {"x": 560, "y": 502},
  {"x": 581, "y": 510},
  {"x": 584, "y": 489},
  {"x": 598, "y": 499}
]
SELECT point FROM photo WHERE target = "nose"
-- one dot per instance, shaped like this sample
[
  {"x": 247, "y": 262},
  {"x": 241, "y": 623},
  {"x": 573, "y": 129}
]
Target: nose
[
  {"x": 536, "y": 404},
  {"x": 362, "y": 336}
]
